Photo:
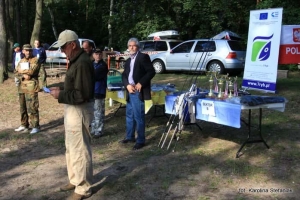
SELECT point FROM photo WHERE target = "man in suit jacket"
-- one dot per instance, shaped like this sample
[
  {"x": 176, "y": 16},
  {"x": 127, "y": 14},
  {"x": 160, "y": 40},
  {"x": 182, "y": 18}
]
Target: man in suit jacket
[{"x": 136, "y": 78}]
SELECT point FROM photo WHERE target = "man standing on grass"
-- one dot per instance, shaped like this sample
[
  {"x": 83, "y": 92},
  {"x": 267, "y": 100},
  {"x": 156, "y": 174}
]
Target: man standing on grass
[
  {"x": 26, "y": 79},
  {"x": 77, "y": 95},
  {"x": 101, "y": 71},
  {"x": 136, "y": 78}
]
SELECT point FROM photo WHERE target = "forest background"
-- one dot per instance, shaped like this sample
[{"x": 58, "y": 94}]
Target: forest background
[{"x": 112, "y": 22}]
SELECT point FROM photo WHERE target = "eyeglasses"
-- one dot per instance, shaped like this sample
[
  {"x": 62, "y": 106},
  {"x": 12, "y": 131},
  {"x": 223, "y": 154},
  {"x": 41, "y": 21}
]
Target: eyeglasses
[
  {"x": 132, "y": 45},
  {"x": 63, "y": 47}
]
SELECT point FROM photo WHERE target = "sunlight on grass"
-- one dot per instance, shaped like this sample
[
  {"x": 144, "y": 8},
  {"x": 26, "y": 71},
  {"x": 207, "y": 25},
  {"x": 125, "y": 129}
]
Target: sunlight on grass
[
  {"x": 33, "y": 163},
  {"x": 239, "y": 168},
  {"x": 30, "y": 191},
  {"x": 202, "y": 165},
  {"x": 203, "y": 198},
  {"x": 60, "y": 141}
]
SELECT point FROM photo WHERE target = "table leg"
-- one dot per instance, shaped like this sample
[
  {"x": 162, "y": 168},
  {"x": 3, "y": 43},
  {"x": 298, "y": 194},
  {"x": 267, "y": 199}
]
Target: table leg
[{"x": 238, "y": 154}]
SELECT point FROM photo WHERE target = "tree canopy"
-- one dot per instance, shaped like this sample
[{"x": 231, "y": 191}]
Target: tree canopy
[
  {"x": 139, "y": 18},
  {"x": 112, "y": 22}
]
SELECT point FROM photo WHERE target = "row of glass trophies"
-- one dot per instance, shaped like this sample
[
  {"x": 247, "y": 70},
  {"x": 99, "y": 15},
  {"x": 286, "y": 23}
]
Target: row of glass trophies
[{"x": 221, "y": 86}]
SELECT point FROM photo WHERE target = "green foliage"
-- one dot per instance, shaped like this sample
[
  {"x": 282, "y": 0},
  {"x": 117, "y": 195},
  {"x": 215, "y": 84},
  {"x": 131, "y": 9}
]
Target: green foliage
[{"x": 138, "y": 18}]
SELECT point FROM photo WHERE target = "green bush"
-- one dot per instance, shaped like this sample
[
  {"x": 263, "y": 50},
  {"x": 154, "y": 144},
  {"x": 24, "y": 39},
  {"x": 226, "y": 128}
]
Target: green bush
[{"x": 290, "y": 67}]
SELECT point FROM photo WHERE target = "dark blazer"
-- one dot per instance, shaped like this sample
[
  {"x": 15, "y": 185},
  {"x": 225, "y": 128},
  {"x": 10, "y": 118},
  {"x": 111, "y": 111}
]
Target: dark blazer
[{"x": 143, "y": 72}]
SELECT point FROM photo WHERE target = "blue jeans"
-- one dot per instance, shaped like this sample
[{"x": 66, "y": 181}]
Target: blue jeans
[{"x": 135, "y": 118}]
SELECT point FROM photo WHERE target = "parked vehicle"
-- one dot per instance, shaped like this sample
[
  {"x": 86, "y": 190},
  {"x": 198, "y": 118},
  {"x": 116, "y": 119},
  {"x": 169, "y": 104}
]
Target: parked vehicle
[
  {"x": 202, "y": 55},
  {"x": 150, "y": 46},
  {"x": 169, "y": 34},
  {"x": 159, "y": 45},
  {"x": 54, "y": 54}
]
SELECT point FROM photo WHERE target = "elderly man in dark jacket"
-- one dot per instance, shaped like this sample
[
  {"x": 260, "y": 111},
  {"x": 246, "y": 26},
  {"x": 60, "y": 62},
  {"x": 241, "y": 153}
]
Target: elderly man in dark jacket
[{"x": 136, "y": 79}]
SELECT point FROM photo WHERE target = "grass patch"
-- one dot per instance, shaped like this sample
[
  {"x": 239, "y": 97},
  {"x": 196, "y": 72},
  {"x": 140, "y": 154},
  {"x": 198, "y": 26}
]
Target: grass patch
[{"x": 203, "y": 165}]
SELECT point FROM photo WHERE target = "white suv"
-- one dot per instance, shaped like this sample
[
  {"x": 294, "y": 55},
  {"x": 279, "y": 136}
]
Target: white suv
[{"x": 54, "y": 54}]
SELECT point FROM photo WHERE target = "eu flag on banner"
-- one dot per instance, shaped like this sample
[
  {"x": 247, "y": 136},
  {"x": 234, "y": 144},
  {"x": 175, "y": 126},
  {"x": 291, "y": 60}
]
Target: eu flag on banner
[{"x": 263, "y": 16}]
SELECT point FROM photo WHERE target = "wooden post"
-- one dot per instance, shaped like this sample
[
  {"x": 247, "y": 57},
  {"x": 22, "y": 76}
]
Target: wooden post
[{"x": 108, "y": 61}]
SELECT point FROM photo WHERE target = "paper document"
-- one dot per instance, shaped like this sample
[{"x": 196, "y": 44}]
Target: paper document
[
  {"x": 24, "y": 65},
  {"x": 208, "y": 108},
  {"x": 121, "y": 94}
]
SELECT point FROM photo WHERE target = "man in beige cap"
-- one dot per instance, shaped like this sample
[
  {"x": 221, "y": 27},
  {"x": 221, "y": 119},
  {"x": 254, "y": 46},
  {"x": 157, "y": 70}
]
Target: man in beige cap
[
  {"x": 77, "y": 96},
  {"x": 26, "y": 79}
]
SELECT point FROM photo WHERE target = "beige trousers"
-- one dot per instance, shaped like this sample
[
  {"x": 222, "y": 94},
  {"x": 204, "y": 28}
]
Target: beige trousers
[{"x": 77, "y": 119}]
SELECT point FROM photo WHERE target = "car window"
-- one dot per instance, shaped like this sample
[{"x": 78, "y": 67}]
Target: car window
[
  {"x": 161, "y": 46},
  {"x": 149, "y": 46},
  {"x": 173, "y": 44},
  {"x": 184, "y": 47},
  {"x": 51, "y": 48},
  {"x": 205, "y": 46},
  {"x": 142, "y": 45},
  {"x": 236, "y": 45}
]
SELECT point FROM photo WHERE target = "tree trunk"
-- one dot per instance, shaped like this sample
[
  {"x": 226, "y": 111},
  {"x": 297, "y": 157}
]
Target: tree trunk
[
  {"x": 37, "y": 22},
  {"x": 9, "y": 25},
  {"x": 3, "y": 52},
  {"x": 109, "y": 23},
  {"x": 18, "y": 21},
  {"x": 24, "y": 29},
  {"x": 52, "y": 22}
]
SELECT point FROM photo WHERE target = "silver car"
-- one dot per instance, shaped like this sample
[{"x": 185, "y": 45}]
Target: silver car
[
  {"x": 224, "y": 56},
  {"x": 54, "y": 54},
  {"x": 151, "y": 47}
]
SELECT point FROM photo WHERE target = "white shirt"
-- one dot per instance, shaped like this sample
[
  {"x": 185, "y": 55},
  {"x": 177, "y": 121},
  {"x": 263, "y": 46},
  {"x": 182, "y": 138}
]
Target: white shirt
[
  {"x": 17, "y": 58},
  {"x": 130, "y": 77}
]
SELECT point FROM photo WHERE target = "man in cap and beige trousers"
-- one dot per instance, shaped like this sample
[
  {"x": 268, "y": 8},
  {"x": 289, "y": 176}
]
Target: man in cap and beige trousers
[{"x": 77, "y": 95}]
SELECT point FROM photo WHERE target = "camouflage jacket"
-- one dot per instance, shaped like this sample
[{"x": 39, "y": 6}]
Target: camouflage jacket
[{"x": 32, "y": 84}]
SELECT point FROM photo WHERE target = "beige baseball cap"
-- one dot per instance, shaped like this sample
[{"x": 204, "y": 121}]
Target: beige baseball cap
[
  {"x": 66, "y": 36},
  {"x": 27, "y": 47}
]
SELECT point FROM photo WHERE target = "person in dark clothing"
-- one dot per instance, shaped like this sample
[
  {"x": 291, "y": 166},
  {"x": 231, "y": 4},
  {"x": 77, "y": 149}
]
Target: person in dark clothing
[
  {"x": 87, "y": 46},
  {"x": 101, "y": 71},
  {"x": 39, "y": 52},
  {"x": 78, "y": 99},
  {"x": 17, "y": 55}
]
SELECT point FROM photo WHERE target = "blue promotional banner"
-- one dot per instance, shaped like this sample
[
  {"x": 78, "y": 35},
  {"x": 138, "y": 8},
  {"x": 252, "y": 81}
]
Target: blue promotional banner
[{"x": 263, "y": 50}]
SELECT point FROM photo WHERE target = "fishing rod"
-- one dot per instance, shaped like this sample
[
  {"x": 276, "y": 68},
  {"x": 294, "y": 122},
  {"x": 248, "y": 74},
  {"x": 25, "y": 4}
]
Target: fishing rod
[
  {"x": 170, "y": 125},
  {"x": 183, "y": 116},
  {"x": 204, "y": 60}
]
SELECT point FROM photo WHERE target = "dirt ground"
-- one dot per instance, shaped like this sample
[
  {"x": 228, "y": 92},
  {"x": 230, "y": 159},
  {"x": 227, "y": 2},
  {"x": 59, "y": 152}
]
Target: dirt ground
[{"x": 203, "y": 167}]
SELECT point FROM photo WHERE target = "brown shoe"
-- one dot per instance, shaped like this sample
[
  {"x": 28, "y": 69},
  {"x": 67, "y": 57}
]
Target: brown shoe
[
  {"x": 76, "y": 196},
  {"x": 67, "y": 187}
]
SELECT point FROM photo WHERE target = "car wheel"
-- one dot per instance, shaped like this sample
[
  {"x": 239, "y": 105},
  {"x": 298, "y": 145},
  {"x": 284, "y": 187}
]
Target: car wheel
[
  {"x": 159, "y": 66},
  {"x": 216, "y": 66}
]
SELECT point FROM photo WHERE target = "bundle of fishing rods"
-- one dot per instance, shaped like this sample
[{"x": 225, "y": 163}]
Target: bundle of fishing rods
[{"x": 180, "y": 114}]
